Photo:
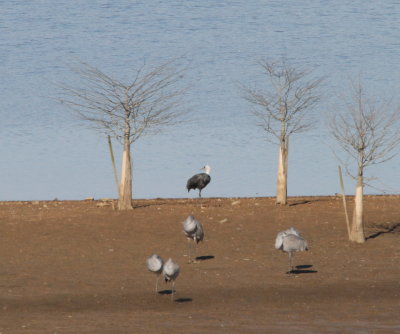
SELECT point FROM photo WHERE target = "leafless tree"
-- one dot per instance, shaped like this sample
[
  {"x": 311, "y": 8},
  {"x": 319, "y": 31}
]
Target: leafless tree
[
  {"x": 127, "y": 111},
  {"x": 284, "y": 109},
  {"x": 368, "y": 132}
]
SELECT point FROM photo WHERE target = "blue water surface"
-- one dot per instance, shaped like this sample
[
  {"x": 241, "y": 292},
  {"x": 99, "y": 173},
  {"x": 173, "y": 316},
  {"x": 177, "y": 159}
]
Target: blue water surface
[{"x": 47, "y": 153}]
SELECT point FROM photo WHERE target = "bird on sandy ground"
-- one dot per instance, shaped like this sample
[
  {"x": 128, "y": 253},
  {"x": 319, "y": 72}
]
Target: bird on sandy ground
[
  {"x": 280, "y": 235},
  {"x": 170, "y": 272},
  {"x": 290, "y": 241},
  {"x": 155, "y": 265},
  {"x": 199, "y": 181},
  {"x": 193, "y": 230}
]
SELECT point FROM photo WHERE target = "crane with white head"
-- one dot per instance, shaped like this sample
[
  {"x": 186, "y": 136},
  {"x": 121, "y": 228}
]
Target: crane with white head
[{"x": 199, "y": 181}]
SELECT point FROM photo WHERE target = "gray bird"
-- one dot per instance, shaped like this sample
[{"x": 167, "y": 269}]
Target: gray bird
[
  {"x": 290, "y": 241},
  {"x": 280, "y": 235},
  {"x": 193, "y": 231},
  {"x": 170, "y": 272},
  {"x": 155, "y": 265},
  {"x": 199, "y": 181}
]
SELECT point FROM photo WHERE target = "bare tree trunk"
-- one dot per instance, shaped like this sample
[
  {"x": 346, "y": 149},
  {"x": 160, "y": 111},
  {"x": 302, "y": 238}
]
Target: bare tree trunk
[
  {"x": 281, "y": 188},
  {"x": 367, "y": 132},
  {"x": 125, "y": 186},
  {"x": 113, "y": 163},
  {"x": 344, "y": 202},
  {"x": 357, "y": 228}
]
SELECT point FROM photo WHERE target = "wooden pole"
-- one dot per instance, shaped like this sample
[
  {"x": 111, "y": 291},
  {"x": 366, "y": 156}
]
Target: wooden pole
[
  {"x": 344, "y": 200},
  {"x": 113, "y": 163}
]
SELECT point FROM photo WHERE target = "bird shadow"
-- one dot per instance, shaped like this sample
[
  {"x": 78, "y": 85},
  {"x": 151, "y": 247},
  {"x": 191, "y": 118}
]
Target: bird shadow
[
  {"x": 304, "y": 266},
  {"x": 205, "y": 257},
  {"x": 183, "y": 300},
  {"x": 303, "y": 269},
  {"x": 178, "y": 300}
]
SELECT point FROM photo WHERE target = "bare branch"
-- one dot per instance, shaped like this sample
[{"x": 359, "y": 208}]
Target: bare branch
[
  {"x": 151, "y": 101},
  {"x": 369, "y": 132},
  {"x": 288, "y": 104}
]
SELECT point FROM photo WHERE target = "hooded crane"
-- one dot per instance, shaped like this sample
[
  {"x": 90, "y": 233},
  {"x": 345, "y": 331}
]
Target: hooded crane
[
  {"x": 193, "y": 231},
  {"x": 155, "y": 265},
  {"x": 290, "y": 241},
  {"x": 170, "y": 272},
  {"x": 199, "y": 181}
]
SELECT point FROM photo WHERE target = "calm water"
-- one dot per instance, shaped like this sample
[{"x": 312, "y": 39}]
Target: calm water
[{"x": 45, "y": 153}]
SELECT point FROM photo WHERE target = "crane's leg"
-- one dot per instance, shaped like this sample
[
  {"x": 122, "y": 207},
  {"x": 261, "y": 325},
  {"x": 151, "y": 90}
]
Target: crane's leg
[
  {"x": 189, "y": 250},
  {"x": 195, "y": 252},
  {"x": 173, "y": 291},
  {"x": 200, "y": 199},
  {"x": 157, "y": 278},
  {"x": 290, "y": 263}
]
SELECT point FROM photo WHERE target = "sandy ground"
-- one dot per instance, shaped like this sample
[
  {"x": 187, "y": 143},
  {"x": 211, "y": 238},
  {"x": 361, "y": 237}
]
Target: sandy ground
[{"x": 79, "y": 267}]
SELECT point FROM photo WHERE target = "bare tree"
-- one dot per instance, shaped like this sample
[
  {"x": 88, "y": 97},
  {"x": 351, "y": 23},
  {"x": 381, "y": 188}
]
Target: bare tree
[
  {"x": 127, "y": 111},
  {"x": 368, "y": 132},
  {"x": 283, "y": 110}
]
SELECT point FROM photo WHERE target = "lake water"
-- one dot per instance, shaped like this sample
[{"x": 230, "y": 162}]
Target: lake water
[{"x": 46, "y": 153}]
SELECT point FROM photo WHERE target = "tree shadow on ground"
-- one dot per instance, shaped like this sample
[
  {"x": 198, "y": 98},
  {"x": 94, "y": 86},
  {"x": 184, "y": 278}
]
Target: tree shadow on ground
[
  {"x": 383, "y": 229},
  {"x": 140, "y": 206},
  {"x": 308, "y": 200},
  {"x": 206, "y": 202},
  {"x": 299, "y": 202}
]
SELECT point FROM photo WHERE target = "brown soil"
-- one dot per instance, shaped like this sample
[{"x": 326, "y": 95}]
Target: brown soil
[{"x": 79, "y": 267}]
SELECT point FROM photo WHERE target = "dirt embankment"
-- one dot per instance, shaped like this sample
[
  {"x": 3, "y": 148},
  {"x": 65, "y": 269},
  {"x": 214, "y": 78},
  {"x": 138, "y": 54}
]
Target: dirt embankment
[{"x": 79, "y": 267}]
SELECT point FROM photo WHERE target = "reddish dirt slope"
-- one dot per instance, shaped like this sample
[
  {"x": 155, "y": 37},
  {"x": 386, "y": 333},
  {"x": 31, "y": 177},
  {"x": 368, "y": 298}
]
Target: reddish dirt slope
[{"x": 79, "y": 267}]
